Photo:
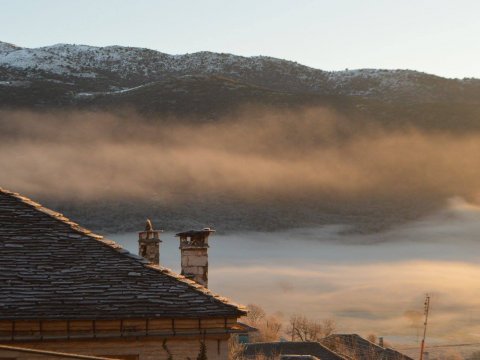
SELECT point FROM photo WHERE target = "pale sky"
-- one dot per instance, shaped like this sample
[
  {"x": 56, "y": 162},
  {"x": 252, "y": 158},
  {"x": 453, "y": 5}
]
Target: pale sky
[{"x": 435, "y": 36}]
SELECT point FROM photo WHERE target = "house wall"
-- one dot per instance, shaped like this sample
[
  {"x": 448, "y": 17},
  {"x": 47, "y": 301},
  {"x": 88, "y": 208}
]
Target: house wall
[{"x": 145, "y": 348}]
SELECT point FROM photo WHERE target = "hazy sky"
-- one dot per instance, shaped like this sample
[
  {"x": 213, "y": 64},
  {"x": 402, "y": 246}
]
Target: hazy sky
[{"x": 435, "y": 36}]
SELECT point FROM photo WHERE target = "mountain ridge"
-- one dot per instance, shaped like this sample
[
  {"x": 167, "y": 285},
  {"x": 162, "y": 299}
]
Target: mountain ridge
[
  {"x": 207, "y": 86},
  {"x": 129, "y": 66},
  {"x": 199, "y": 54}
]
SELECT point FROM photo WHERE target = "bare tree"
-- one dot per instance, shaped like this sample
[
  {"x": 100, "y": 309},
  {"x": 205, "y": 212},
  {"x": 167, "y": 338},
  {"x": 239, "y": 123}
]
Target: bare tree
[
  {"x": 235, "y": 349},
  {"x": 269, "y": 329},
  {"x": 268, "y": 326},
  {"x": 255, "y": 314},
  {"x": 372, "y": 338},
  {"x": 329, "y": 327},
  {"x": 303, "y": 329}
]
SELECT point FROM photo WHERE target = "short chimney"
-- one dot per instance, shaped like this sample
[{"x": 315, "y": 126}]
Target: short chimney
[
  {"x": 380, "y": 341},
  {"x": 149, "y": 243},
  {"x": 194, "y": 254}
]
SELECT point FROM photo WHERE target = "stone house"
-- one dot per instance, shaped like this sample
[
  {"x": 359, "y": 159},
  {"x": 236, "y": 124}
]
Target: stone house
[{"x": 65, "y": 289}]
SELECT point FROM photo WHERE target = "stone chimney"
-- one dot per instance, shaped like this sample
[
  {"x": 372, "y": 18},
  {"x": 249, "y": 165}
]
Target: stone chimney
[
  {"x": 194, "y": 254},
  {"x": 149, "y": 243}
]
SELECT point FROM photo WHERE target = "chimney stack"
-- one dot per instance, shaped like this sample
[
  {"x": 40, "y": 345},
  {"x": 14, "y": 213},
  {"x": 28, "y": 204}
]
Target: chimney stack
[
  {"x": 380, "y": 341},
  {"x": 149, "y": 243},
  {"x": 194, "y": 254}
]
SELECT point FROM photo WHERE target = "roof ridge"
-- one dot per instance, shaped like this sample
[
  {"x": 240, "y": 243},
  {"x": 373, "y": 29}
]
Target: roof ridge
[
  {"x": 370, "y": 342},
  {"x": 377, "y": 346},
  {"x": 314, "y": 343},
  {"x": 333, "y": 351},
  {"x": 119, "y": 249}
]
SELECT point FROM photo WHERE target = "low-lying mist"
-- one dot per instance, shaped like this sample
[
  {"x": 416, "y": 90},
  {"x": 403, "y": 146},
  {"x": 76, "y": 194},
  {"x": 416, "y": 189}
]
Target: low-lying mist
[
  {"x": 368, "y": 283},
  {"x": 256, "y": 157}
]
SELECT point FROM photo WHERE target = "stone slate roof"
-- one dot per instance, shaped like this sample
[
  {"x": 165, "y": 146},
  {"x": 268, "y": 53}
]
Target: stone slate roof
[
  {"x": 275, "y": 349},
  {"x": 51, "y": 268},
  {"x": 240, "y": 327},
  {"x": 355, "y": 347}
]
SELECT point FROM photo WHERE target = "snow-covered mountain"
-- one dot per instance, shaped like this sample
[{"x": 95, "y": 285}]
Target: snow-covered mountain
[
  {"x": 206, "y": 86},
  {"x": 126, "y": 67}
]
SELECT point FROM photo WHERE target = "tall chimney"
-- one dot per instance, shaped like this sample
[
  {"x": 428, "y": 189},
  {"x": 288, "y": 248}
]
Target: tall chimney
[
  {"x": 194, "y": 254},
  {"x": 149, "y": 243}
]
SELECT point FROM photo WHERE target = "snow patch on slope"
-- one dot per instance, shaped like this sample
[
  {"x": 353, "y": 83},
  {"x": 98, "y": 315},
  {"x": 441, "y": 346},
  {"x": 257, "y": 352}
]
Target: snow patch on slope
[
  {"x": 121, "y": 91},
  {"x": 6, "y": 48}
]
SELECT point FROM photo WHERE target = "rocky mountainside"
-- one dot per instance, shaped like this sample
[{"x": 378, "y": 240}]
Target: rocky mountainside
[
  {"x": 208, "y": 85},
  {"x": 116, "y": 68}
]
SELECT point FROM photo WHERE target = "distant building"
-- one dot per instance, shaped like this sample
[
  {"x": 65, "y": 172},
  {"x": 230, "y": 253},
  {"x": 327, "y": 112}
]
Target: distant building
[
  {"x": 333, "y": 347},
  {"x": 356, "y": 347},
  {"x": 273, "y": 350},
  {"x": 65, "y": 289},
  {"x": 244, "y": 332}
]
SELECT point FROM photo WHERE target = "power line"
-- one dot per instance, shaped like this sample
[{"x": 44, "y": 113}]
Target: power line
[{"x": 441, "y": 346}]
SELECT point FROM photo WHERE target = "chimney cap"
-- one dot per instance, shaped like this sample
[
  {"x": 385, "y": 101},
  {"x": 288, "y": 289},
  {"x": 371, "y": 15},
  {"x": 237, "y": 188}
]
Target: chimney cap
[
  {"x": 205, "y": 232},
  {"x": 148, "y": 225}
]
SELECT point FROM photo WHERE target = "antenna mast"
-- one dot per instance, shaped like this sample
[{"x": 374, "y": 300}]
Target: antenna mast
[{"x": 426, "y": 308}]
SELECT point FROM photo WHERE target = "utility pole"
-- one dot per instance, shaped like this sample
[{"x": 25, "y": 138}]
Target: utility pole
[{"x": 426, "y": 308}]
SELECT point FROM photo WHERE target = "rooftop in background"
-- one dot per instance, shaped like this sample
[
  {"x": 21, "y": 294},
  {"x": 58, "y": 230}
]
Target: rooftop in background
[
  {"x": 356, "y": 347},
  {"x": 271, "y": 349}
]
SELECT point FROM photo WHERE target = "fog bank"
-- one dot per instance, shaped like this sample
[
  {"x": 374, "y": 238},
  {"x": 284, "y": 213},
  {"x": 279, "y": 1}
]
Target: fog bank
[
  {"x": 255, "y": 156},
  {"x": 293, "y": 163},
  {"x": 372, "y": 283}
]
